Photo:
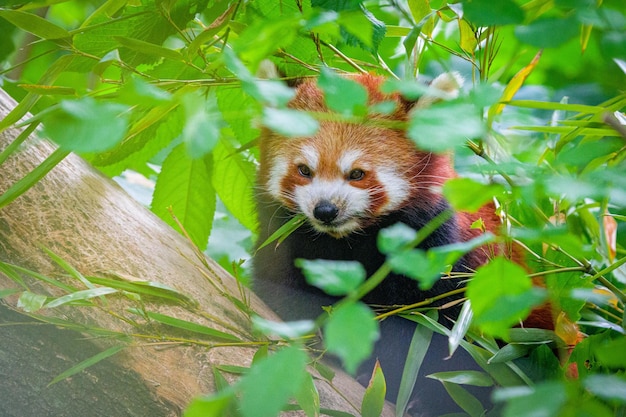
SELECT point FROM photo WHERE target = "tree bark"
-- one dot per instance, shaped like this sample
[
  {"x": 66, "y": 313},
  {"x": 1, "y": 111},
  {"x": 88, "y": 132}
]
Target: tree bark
[{"x": 91, "y": 223}]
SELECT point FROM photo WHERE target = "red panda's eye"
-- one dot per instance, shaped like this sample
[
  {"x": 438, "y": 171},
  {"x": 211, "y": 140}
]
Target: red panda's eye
[
  {"x": 305, "y": 171},
  {"x": 356, "y": 174}
]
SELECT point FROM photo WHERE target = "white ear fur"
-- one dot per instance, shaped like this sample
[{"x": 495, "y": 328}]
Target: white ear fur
[{"x": 444, "y": 87}]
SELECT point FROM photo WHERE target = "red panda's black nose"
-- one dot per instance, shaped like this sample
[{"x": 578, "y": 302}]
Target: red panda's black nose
[{"x": 325, "y": 211}]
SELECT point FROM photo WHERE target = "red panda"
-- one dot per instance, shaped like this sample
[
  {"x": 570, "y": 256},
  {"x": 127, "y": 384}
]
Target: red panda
[{"x": 350, "y": 181}]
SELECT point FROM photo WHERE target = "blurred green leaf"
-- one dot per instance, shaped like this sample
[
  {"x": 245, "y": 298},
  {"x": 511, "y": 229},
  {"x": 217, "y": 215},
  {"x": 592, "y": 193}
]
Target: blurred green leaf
[
  {"x": 437, "y": 129},
  {"x": 548, "y": 32},
  {"x": 308, "y": 398},
  {"x": 501, "y": 295},
  {"x": 211, "y": 405},
  {"x": 474, "y": 378},
  {"x": 87, "y": 125},
  {"x": 489, "y": 13},
  {"x": 203, "y": 122},
  {"x": 31, "y": 302},
  {"x": 287, "y": 330},
  {"x": 336, "y": 278},
  {"x": 271, "y": 382},
  {"x": 545, "y": 400},
  {"x": 350, "y": 333},
  {"x": 342, "y": 95},
  {"x": 291, "y": 123},
  {"x": 466, "y": 194},
  {"x": 608, "y": 387}
]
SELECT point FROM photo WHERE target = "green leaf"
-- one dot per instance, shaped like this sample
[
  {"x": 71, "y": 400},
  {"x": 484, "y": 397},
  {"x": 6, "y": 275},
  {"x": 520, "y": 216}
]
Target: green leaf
[
  {"x": 184, "y": 184},
  {"x": 10, "y": 291},
  {"x": 40, "y": 171},
  {"x": 470, "y": 404},
  {"x": 437, "y": 129},
  {"x": 203, "y": 123},
  {"x": 466, "y": 194},
  {"x": 285, "y": 230},
  {"x": 473, "y": 378},
  {"x": 271, "y": 382},
  {"x": 87, "y": 363},
  {"x": 336, "y": 278},
  {"x": 542, "y": 400},
  {"x": 34, "y": 24},
  {"x": 427, "y": 266},
  {"x": 414, "y": 359},
  {"x": 148, "y": 288},
  {"x": 286, "y": 330},
  {"x": 350, "y": 333},
  {"x": 395, "y": 238},
  {"x": 211, "y": 405},
  {"x": 607, "y": 387},
  {"x": 234, "y": 181},
  {"x": 290, "y": 123},
  {"x": 86, "y": 125},
  {"x": 31, "y": 302},
  {"x": 80, "y": 296},
  {"x": 308, "y": 398},
  {"x": 190, "y": 326},
  {"x": 374, "y": 397},
  {"x": 501, "y": 295},
  {"x": 341, "y": 94},
  {"x": 490, "y": 13},
  {"x": 548, "y": 32}
]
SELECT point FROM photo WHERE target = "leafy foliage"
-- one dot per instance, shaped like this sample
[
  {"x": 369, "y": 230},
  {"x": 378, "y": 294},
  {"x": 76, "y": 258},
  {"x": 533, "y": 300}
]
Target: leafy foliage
[{"x": 181, "y": 85}]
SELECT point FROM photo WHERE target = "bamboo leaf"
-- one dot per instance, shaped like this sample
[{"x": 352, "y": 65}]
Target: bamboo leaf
[
  {"x": 374, "y": 397},
  {"x": 284, "y": 231},
  {"x": 87, "y": 363},
  {"x": 80, "y": 296},
  {"x": 190, "y": 326},
  {"x": 149, "y": 288},
  {"x": 34, "y": 24},
  {"x": 414, "y": 359},
  {"x": 31, "y": 302},
  {"x": 32, "y": 177}
]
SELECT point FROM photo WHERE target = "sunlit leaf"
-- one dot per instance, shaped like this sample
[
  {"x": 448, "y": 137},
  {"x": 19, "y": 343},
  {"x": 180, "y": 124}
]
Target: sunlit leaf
[{"x": 210, "y": 406}]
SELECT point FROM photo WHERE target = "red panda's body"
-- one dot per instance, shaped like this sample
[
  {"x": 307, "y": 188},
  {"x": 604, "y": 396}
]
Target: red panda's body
[{"x": 350, "y": 181}]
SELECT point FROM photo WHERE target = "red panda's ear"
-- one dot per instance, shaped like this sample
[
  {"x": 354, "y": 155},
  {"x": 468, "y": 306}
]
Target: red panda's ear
[{"x": 444, "y": 87}]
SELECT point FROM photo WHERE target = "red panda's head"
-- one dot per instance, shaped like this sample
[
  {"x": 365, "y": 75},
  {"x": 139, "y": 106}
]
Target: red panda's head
[{"x": 348, "y": 175}]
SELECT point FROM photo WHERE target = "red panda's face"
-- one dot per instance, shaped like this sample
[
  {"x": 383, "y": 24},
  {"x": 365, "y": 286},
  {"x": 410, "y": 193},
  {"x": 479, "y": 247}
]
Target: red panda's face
[
  {"x": 338, "y": 184},
  {"x": 347, "y": 176}
]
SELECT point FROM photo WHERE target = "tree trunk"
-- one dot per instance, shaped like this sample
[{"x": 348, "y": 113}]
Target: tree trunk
[{"x": 88, "y": 221}]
